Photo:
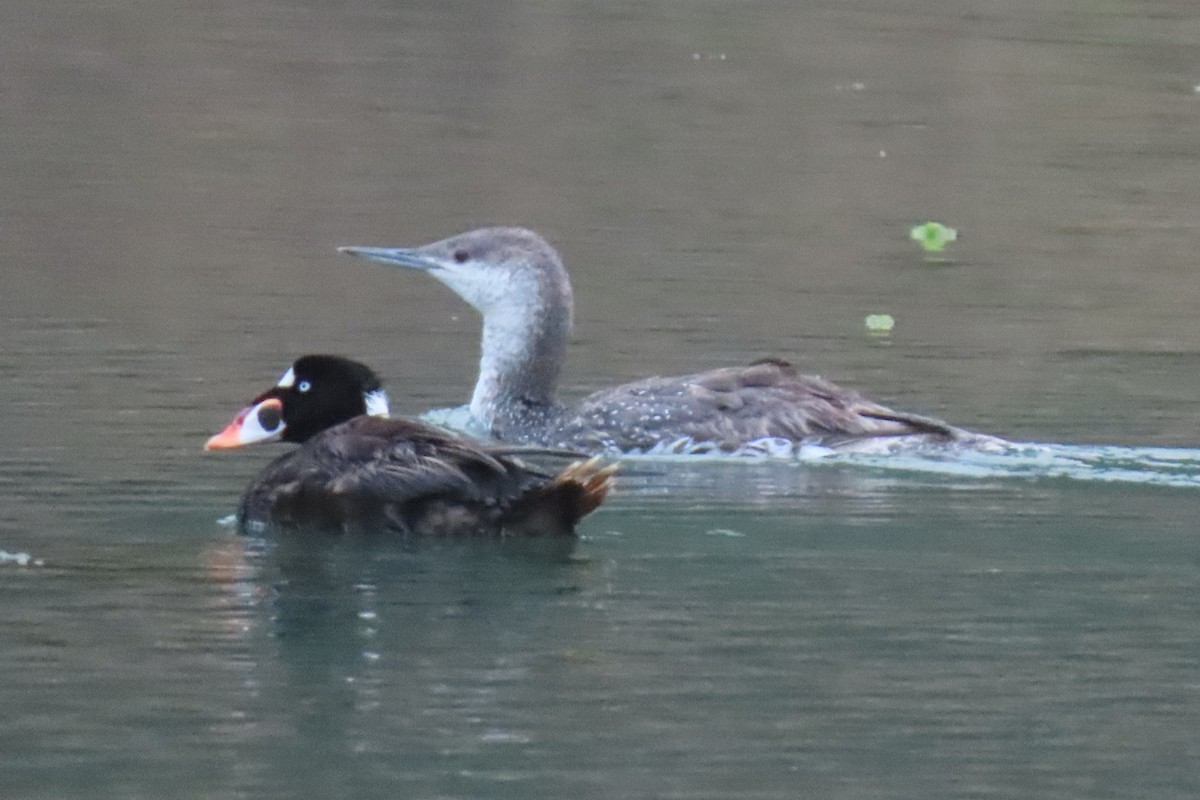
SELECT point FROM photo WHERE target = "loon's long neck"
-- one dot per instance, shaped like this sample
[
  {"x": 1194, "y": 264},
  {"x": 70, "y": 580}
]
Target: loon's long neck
[
  {"x": 523, "y": 348},
  {"x": 517, "y": 282}
]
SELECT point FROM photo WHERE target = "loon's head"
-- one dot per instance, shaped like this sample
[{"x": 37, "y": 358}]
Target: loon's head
[
  {"x": 501, "y": 272},
  {"x": 316, "y": 393},
  {"x": 516, "y": 281}
]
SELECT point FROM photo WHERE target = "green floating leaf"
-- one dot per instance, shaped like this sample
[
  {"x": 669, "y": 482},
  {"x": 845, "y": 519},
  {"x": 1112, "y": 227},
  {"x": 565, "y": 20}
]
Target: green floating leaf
[
  {"x": 880, "y": 323},
  {"x": 933, "y": 236}
]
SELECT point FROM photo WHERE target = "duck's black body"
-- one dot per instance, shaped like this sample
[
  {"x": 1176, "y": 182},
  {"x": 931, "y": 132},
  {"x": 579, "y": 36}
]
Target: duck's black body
[
  {"x": 410, "y": 477},
  {"x": 354, "y": 471}
]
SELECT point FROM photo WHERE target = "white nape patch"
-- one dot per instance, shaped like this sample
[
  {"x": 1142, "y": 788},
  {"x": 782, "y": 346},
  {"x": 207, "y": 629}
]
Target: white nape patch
[
  {"x": 377, "y": 403},
  {"x": 288, "y": 380}
]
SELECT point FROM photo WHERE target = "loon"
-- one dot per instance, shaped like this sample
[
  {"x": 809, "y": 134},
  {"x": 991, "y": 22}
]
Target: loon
[
  {"x": 356, "y": 469},
  {"x": 517, "y": 282}
]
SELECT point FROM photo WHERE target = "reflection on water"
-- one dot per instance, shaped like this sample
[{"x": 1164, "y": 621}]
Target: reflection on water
[{"x": 949, "y": 641}]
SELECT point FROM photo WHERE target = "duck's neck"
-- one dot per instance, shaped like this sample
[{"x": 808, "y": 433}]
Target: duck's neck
[{"x": 522, "y": 353}]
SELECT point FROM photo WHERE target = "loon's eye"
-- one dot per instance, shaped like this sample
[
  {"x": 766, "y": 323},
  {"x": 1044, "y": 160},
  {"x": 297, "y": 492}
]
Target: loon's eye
[
  {"x": 460, "y": 256},
  {"x": 304, "y": 386}
]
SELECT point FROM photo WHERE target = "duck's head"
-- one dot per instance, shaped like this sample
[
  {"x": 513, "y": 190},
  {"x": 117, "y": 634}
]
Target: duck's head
[
  {"x": 316, "y": 393},
  {"x": 499, "y": 271}
]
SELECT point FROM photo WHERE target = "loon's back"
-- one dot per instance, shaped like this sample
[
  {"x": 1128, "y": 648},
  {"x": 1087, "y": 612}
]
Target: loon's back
[{"x": 720, "y": 410}]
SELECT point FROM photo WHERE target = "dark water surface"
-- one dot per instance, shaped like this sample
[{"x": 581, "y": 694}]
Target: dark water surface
[{"x": 726, "y": 181}]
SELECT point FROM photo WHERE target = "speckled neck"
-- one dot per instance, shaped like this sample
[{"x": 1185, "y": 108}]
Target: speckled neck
[
  {"x": 526, "y": 322},
  {"x": 520, "y": 361}
]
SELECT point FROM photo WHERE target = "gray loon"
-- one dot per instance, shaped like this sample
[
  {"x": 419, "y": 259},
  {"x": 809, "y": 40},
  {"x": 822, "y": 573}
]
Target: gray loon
[{"x": 517, "y": 282}]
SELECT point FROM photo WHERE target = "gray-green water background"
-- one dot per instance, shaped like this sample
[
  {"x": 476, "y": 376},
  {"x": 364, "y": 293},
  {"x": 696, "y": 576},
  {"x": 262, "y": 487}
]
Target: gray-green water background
[{"x": 726, "y": 181}]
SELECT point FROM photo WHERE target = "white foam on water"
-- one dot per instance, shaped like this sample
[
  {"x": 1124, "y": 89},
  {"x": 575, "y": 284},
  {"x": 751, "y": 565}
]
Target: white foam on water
[
  {"x": 977, "y": 457},
  {"x": 20, "y": 559}
]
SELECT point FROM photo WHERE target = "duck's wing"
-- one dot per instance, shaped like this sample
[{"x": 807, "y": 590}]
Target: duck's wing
[
  {"x": 372, "y": 468},
  {"x": 399, "y": 460},
  {"x": 733, "y": 405},
  {"x": 413, "y": 477}
]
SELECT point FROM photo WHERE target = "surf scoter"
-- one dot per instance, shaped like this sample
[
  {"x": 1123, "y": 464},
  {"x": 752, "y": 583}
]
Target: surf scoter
[
  {"x": 517, "y": 282},
  {"x": 355, "y": 468}
]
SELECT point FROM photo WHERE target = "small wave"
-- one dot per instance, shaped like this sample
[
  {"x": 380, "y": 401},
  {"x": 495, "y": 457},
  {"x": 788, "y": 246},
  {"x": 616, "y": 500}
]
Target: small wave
[
  {"x": 984, "y": 458},
  {"x": 979, "y": 456},
  {"x": 1174, "y": 467},
  {"x": 21, "y": 559},
  {"x": 1149, "y": 466}
]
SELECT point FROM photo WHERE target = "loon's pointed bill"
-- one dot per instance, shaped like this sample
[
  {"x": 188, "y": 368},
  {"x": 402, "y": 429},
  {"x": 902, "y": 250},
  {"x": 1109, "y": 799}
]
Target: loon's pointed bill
[
  {"x": 396, "y": 256},
  {"x": 260, "y": 422}
]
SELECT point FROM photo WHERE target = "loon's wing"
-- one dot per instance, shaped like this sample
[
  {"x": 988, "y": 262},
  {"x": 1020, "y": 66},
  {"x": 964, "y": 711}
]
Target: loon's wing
[{"x": 766, "y": 399}]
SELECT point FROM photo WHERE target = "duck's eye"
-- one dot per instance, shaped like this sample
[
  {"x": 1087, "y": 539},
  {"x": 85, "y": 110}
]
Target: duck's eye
[
  {"x": 461, "y": 256},
  {"x": 303, "y": 386}
]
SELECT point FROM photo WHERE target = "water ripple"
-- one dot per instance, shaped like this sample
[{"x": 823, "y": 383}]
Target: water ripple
[
  {"x": 1147, "y": 466},
  {"x": 986, "y": 457}
]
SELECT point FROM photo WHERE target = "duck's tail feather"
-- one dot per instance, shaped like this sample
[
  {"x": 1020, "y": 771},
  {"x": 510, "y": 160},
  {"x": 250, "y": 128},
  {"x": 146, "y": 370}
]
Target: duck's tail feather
[{"x": 557, "y": 505}]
